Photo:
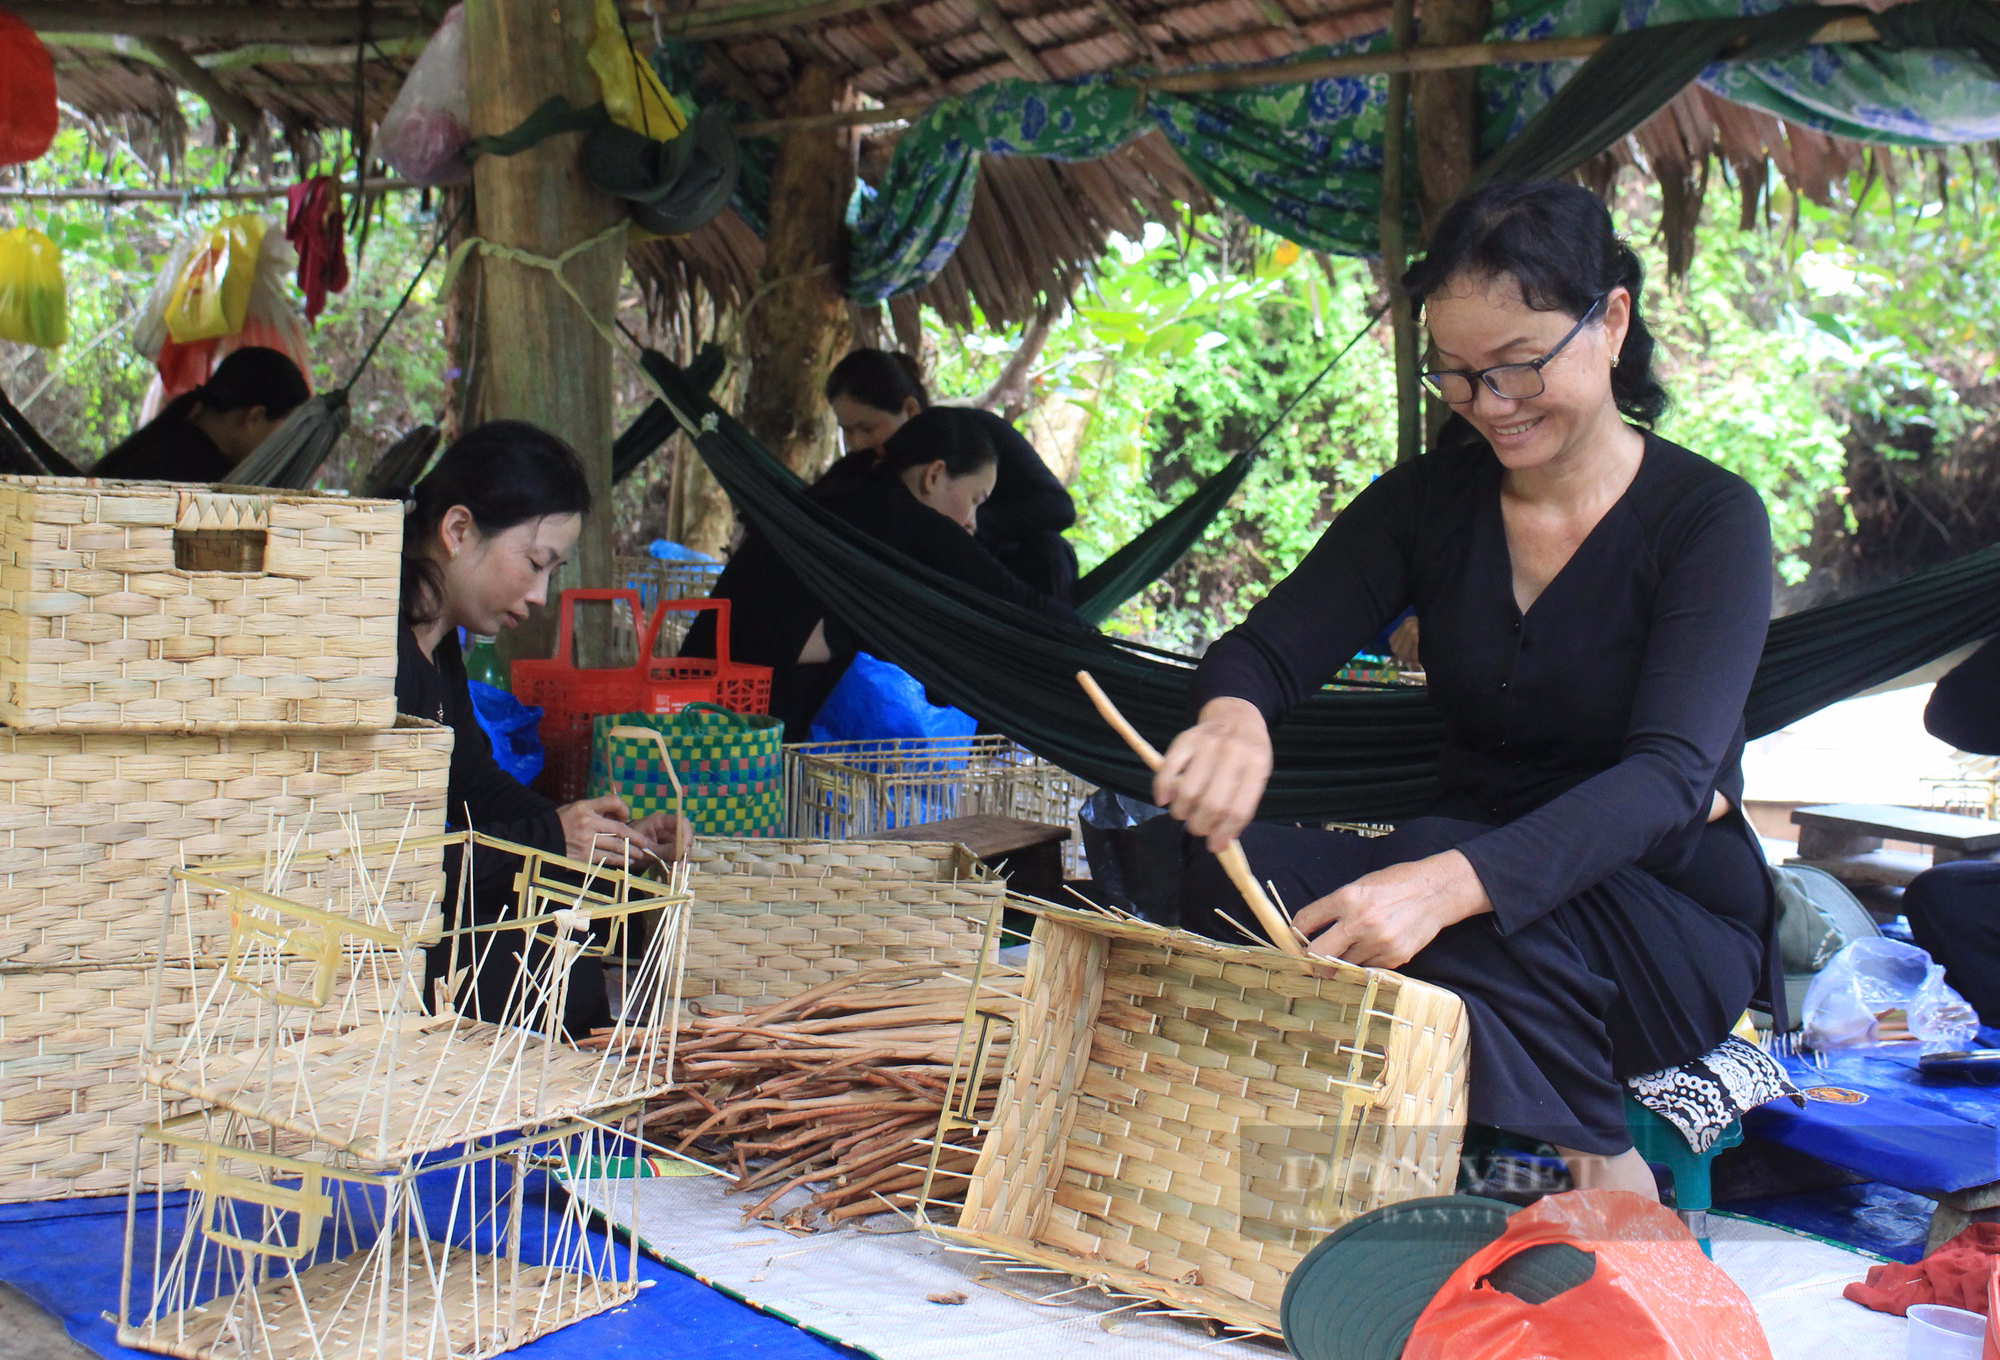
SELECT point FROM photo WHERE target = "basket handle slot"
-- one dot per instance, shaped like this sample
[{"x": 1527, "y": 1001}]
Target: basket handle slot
[
  {"x": 309, "y": 1201},
  {"x": 566, "y": 625},
  {"x": 718, "y": 605}
]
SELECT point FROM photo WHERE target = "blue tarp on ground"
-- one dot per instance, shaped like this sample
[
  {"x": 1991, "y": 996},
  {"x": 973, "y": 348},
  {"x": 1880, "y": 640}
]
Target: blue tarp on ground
[
  {"x": 67, "y": 1256},
  {"x": 1909, "y": 1130}
]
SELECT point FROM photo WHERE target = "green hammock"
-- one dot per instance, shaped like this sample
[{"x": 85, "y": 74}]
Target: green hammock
[{"x": 1342, "y": 754}]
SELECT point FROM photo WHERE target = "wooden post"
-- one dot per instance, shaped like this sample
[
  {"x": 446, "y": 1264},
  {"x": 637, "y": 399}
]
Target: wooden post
[
  {"x": 1446, "y": 106},
  {"x": 542, "y": 359},
  {"x": 1395, "y": 248},
  {"x": 798, "y": 326}
]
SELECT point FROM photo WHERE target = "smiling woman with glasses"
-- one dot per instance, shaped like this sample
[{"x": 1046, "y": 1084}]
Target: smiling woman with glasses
[{"x": 1593, "y": 601}]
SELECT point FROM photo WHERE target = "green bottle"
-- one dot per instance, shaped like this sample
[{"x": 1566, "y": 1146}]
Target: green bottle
[{"x": 483, "y": 664}]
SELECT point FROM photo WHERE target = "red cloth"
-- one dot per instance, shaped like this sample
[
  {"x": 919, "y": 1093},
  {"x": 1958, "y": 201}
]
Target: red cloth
[
  {"x": 313, "y": 226},
  {"x": 1959, "y": 1274}
]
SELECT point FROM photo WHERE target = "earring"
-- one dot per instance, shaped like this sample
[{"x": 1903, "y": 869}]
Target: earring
[{"x": 1614, "y": 361}]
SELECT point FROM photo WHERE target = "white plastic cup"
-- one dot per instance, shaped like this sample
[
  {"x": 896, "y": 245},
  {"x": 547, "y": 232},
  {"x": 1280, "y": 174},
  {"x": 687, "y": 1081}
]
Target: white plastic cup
[{"x": 1940, "y": 1333}]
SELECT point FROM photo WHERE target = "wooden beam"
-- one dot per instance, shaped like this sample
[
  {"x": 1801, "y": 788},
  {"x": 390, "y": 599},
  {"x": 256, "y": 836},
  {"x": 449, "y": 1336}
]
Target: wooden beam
[
  {"x": 236, "y": 58},
  {"x": 999, "y": 28},
  {"x": 1446, "y": 107},
  {"x": 542, "y": 359},
  {"x": 1133, "y": 34},
  {"x": 227, "y": 105},
  {"x": 1849, "y": 30},
  {"x": 230, "y": 23},
  {"x": 1395, "y": 248},
  {"x": 907, "y": 50},
  {"x": 115, "y": 196},
  {"x": 796, "y": 328},
  {"x": 762, "y": 18}
]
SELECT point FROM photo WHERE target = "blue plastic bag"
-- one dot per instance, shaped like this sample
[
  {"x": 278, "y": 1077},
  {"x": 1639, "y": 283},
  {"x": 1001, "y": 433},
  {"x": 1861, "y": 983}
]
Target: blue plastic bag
[
  {"x": 513, "y": 727},
  {"x": 876, "y": 701}
]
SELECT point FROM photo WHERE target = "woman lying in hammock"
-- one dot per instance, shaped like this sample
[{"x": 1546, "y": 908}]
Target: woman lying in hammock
[
  {"x": 924, "y": 498},
  {"x": 1594, "y": 601}
]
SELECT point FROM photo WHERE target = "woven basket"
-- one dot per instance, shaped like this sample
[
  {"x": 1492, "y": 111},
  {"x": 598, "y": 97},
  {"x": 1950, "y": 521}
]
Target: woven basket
[
  {"x": 92, "y": 824},
  {"x": 150, "y": 607},
  {"x": 1183, "y": 1120},
  {"x": 774, "y": 918},
  {"x": 837, "y": 789}
]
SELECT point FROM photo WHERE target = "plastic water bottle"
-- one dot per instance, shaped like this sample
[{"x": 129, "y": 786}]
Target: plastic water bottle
[{"x": 483, "y": 664}]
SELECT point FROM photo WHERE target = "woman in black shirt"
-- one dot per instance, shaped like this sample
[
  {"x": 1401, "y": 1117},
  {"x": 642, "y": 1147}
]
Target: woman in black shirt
[
  {"x": 923, "y": 497},
  {"x": 874, "y": 393},
  {"x": 1593, "y": 601},
  {"x": 485, "y": 530},
  {"x": 202, "y": 435}
]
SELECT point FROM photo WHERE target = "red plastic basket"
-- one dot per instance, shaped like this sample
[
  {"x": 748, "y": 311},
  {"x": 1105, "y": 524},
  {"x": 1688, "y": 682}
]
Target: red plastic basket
[{"x": 571, "y": 695}]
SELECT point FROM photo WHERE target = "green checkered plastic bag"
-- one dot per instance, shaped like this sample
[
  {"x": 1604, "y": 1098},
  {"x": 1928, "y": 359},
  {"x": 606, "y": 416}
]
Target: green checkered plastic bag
[{"x": 731, "y": 767}]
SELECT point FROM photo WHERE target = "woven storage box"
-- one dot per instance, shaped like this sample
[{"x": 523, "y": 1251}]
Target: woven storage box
[
  {"x": 838, "y": 789},
  {"x": 92, "y": 824},
  {"x": 1183, "y": 1120},
  {"x": 152, "y": 607},
  {"x": 774, "y": 918}
]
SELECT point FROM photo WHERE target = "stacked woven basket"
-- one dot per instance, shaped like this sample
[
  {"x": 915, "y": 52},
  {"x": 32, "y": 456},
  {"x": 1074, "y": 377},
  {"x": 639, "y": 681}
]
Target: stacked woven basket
[{"x": 180, "y": 669}]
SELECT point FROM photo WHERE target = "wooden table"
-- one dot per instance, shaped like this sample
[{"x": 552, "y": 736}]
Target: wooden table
[
  {"x": 1028, "y": 853},
  {"x": 1845, "y": 839}
]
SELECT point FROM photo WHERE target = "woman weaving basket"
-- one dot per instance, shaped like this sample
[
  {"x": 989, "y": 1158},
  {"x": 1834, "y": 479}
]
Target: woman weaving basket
[
  {"x": 485, "y": 530},
  {"x": 1594, "y": 601}
]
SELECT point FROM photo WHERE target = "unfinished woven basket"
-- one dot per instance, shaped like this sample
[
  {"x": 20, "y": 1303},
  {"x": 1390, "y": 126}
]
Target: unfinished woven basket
[
  {"x": 1183, "y": 1120},
  {"x": 151, "y": 607},
  {"x": 774, "y": 918}
]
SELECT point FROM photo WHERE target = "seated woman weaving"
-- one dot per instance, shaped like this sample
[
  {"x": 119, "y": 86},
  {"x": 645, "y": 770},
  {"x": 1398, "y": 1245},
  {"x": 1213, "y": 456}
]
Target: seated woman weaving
[
  {"x": 1594, "y": 602},
  {"x": 924, "y": 498},
  {"x": 874, "y": 393},
  {"x": 485, "y": 530}
]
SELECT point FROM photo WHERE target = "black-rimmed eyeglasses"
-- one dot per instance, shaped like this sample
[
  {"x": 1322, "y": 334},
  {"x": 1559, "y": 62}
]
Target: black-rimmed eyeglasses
[{"x": 1512, "y": 382}]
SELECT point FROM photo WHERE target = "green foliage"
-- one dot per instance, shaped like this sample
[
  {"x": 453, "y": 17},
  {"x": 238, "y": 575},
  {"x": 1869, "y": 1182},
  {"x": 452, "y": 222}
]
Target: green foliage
[{"x": 88, "y": 396}]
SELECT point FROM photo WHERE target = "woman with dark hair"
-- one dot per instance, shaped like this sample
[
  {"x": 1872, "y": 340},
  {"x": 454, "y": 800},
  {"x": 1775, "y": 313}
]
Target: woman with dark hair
[
  {"x": 1594, "y": 601},
  {"x": 874, "y": 393},
  {"x": 923, "y": 497},
  {"x": 484, "y": 532},
  {"x": 202, "y": 435}
]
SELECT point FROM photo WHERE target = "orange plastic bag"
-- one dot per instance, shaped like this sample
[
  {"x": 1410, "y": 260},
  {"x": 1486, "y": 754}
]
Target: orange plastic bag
[{"x": 1652, "y": 1296}]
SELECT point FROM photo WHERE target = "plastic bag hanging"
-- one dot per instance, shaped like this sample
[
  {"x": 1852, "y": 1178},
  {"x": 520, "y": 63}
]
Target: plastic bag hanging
[
  {"x": 34, "y": 309},
  {"x": 427, "y": 128},
  {"x": 27, "y": 93},
  {"x": 633, "y": 95},
  {"x": 211, "y": 298}
]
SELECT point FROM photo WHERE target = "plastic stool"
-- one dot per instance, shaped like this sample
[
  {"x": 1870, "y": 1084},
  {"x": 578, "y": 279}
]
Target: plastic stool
[{"x": 1661, "y": 1144}]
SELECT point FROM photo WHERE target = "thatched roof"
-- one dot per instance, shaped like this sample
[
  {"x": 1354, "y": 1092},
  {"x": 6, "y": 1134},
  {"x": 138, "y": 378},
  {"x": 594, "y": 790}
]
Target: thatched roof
[{"x": 1037, "y": 224}]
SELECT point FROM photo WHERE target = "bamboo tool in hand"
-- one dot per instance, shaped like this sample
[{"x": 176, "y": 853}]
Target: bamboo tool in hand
[
  {"x": 1234, "y": 862},
  {"x": 683, "y": 833}
]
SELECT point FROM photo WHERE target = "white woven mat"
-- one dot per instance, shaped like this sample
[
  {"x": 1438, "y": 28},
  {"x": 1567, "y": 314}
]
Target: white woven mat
[{"x": 869, "y": 1289}]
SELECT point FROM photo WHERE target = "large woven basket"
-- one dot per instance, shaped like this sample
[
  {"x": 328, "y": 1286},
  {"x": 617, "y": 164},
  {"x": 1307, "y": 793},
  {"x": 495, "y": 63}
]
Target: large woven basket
[
  {"x": 1183, "y": 1120},
  {"x": 94, "y": 826},
  {"x": 151, "y": 607},
  {"x": 774, "y": 918}
]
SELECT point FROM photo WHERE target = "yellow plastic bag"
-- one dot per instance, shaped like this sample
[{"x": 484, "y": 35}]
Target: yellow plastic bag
[
  {"x": 633, "y": 94},
  {"x": 34, "y": 309},
  {"x": 212, "y": 295}
]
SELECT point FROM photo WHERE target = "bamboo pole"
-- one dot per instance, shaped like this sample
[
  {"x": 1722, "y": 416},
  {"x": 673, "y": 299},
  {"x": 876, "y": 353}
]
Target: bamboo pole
[
  {"x": 1395, "y": 248},
  {"x": 1456, "y": 57},
  {"x": 243, "y": 193},
  {"x": 1234, "y": 862}
]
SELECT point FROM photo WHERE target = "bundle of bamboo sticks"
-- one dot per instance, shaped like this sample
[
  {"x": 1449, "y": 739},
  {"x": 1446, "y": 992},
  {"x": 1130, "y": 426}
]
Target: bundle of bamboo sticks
[{"x": 839, "y": 1088}]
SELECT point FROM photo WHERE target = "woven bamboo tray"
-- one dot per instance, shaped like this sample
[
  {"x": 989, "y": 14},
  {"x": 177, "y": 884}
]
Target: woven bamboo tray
[
  {"x": 91, "y": 824},
  {"x": 318, "y": 1028},
  {"x": 853, "y": 789},
  {"x": 153, "y": 607},
  {"x": 1183, "y": 1120},
  {"x": 774, "y": 918},
  {"x": 287, "y": 1250}
]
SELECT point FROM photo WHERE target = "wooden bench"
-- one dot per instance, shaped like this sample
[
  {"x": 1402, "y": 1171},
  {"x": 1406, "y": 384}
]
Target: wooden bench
[
  {"x": 1845, "y": 839},
  {"x": 1028, "y": 853}
]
